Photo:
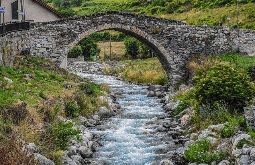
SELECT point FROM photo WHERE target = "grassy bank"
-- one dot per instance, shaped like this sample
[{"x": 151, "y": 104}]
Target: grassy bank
[
  {"x": 34, "y": 96},
  {"x": 144, "y": 71}
]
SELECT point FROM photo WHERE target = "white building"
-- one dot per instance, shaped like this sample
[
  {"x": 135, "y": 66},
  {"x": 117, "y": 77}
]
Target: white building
[{"x": 29, "y": 10}]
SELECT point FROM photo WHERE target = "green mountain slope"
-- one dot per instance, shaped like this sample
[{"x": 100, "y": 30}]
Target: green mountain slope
[{"x": 195, "y": 12}]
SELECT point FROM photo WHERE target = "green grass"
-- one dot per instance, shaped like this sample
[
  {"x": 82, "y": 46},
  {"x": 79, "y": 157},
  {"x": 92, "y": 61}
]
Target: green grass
[
  {"x": 142, "y": 71},
  {"x": 193, "y": 12},
  {"x": 239, "y": 60},
  {"x": 30, "y": 91}
]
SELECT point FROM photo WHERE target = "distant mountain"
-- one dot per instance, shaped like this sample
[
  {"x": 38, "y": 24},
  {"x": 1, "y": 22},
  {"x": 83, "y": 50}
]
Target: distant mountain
[{"x": 195, "y": 12}]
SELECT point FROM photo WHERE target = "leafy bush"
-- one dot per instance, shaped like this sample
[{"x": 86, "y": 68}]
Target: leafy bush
[
  {"x": 75, "y": 52},
  {"x": 72, "y": 109},
  {"x": 62, "y": 133},
  {"x": 132, "y": 47},
  {"x": 89, "y": 48},
  {"x": 223, "y": 83},
  {"x": 201, "y": 152},
  {"x": 90, "y": 88},
  {"x": 227, "y": 131}
]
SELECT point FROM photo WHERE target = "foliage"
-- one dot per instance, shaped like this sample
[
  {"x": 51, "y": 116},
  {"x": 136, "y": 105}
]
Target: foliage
[
  {"x": 90, "y": 88},
  {"x": 132, "y": 47},
  {"x": 180, "y": 108},
  {"x": 227, "y": 131},
  {"x": 201, "y": 152},
  {"x": 67, "y": 12},
  {"x": 75, "y": 52},
  {"x": 72, "y": 109},
  {"x": 62, "y": 133},
  {"x": 223, "y": 83},
  {"x": 89, "y": 48}
]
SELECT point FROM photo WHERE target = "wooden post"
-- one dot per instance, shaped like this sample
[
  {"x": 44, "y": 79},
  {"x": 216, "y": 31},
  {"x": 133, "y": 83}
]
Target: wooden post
[{"x": 110, "y": 46}]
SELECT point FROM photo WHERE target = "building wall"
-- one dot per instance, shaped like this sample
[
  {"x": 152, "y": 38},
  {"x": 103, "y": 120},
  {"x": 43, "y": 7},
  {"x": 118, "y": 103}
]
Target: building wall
[
  {"x": 33, "y": 10},
  {"x": 36, "y": 12}
]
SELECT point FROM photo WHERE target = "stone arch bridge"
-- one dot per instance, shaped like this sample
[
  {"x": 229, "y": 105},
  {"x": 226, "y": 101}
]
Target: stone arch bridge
[{"x": 174, "y": 41}]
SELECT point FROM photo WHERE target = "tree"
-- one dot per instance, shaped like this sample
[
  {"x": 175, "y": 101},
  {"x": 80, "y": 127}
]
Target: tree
[
  {"x": 89, "y": 48},
  {"x": 75, "y": 52},
  {"x": 132, "y": 47}
]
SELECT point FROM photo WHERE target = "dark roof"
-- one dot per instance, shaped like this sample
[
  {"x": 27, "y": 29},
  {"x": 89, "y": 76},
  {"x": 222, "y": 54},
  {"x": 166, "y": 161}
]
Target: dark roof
[{"x": 45, "y": 5}]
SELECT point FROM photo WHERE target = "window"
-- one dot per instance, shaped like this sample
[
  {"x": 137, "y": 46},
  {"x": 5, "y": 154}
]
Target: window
[{"x": 15, "y": 8}]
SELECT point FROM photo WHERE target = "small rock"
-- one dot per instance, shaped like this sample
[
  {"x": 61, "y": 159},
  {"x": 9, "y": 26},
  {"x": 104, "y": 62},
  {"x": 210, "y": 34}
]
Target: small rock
[
  {"x": 170, "y": 106},
  {"x": 72, "y": 150},
  {"x": 246, "y": 150},
  {"x": 68, "y": 161},
  {"x": 252, "y": 153},
  {"x": 151, "y": 94},
  {"x": 9, "y": 81},
  {"x": 193, "y": 136},
  {"x": 77, "y": 159},
  {"x": 85, "y": 152},
  {"x": 104, "y": 112},
  {"x": 185, "y": 119},
  {"x": 67, "y": 86},
  {"x": 216, "y": 128},
  {"x": 166, "y": 162},
  {"x": 237, "y": 152},
  {"x": 244, "y": 160},
  {"x": 224, "y": 162},
  {"x": 95, "y": 146},
  {"x": 32, "y": 148},
  {"x": 42, "y": 160},
  {"x": 240, "y": 137}
]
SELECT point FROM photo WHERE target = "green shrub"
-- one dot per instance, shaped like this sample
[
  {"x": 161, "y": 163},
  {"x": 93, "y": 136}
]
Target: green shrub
[
  {"x": 88, "y": 104},
  {"x": 89, "y": 48},
  {"x": 225, "y": 84},
  {"x": 180, "y": 108},
  {"x": 72, "y": 109},
  {"x": 201, "y": 152},
  {"x": 75, "y": 52},
  {"x": 90, "y": 88},
  {"x": 227, "y": 131},
  {"x": 132, "y": 47},
  {"x": 242, "y": 142},
  {"x": 62, "y": 133}
]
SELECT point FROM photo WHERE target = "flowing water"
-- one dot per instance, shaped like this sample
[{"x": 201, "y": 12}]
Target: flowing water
[{"x": 126, "y": 139}]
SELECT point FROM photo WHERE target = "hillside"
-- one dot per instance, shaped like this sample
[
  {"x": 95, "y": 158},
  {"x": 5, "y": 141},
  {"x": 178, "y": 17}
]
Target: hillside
[{"x": 215, "y": 12}]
